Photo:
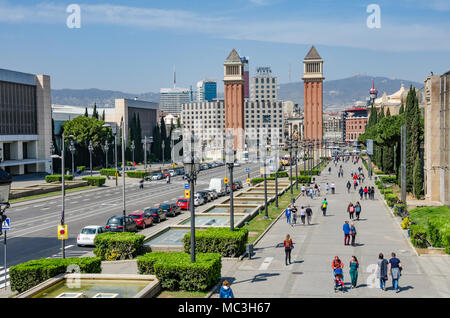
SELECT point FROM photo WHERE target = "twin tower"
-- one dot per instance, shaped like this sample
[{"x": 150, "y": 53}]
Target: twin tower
[{"x": 313, "y": 95}]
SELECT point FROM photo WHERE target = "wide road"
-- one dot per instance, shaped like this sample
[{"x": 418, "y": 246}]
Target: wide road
[{"x": 33, "y": 233}]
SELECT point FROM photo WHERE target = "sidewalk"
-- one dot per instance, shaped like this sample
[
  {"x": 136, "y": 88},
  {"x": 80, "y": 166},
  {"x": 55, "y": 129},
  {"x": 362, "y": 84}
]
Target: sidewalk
[{"x": 310, "y": 274}]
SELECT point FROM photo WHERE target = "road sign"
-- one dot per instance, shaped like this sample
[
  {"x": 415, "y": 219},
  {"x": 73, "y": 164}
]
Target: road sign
[
  {"x": 248, "y": 180},
  {"x": 247, "y": 170},
  {"x": 62, "y": 232},
  {"x": 225, "y": 180},
  {"x": 6, "y": 225},
  {"x": 187, "y": 194},
  {"x": 186, "y": 186},
  {"x": 261, "y": 170}
]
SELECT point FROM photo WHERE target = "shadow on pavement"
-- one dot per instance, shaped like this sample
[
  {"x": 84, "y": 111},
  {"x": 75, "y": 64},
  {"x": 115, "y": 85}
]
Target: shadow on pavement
[{"x": 257, "y": 278}]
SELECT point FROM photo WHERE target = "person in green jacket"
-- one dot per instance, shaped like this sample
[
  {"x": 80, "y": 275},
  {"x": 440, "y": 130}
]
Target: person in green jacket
[{"x": 354, "y": 265}]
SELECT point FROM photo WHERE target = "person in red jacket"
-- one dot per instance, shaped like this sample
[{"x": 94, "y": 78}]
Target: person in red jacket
[{"x": 288, "y": 246}]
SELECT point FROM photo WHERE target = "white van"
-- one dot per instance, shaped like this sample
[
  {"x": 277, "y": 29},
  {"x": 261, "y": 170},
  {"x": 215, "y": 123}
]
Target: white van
[{"x": 219, "y": 185}]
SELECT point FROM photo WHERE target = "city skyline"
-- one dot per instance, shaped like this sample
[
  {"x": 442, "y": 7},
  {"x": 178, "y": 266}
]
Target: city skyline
[{"x": 150, "y": 39}]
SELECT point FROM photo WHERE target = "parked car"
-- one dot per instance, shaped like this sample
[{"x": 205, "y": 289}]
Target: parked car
[
  {"x": 198, "y": 200},
  {"x": 88, "y": 234},
  {"x": 142, "y": 220},
  {"x": 165, "y": 174},
  {"x": 209, "y": 165},
  {"x": 171, "y": 209},
  {"x": 172, "y": 173},
  {"x": 218, "y": 185},
  {"x": 183, "y": 203},
  {"x": 238, "y": 184},
  {"x": 115, "y": 224},
  {"x": 157, "y": 214},
  {"x": 213, "y": 194},
  {"x": 206, "y": 196},
  {"x": 157, "y": 176}
]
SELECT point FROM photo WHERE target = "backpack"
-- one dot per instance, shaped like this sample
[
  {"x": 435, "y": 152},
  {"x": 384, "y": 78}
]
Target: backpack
[{"x": 352, "y": 209}]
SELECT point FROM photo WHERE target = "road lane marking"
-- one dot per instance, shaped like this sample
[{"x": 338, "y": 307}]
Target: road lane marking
[{"x": 266, "y": 263}]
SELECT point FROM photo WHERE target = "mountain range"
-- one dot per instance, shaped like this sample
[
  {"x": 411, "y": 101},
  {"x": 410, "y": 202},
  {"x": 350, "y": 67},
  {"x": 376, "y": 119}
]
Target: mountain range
[{"x": 337, "y": 94}]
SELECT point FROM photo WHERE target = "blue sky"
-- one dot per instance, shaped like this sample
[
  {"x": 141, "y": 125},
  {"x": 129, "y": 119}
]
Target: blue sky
[{"x": 133, "y": 45}]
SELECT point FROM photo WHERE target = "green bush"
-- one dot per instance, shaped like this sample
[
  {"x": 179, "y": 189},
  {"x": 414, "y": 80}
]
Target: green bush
[
  {"x": 397, "y": 206},
  {"x": 388, "y": 179},
  {"x": 218, "y": 240},
  {"x": 301, "y": 179},
  {"x": 438, "y": 230},
  {"x": 387, "y": 190},
  {"x": 379, "y": 172},
  {"x": 81, "y": 168},
  {"x": 281, "y": 174},
  {"x": 95, "y": 181},
  {"x": 418, "y": 236},
  {"x": 136, "y": 174},
  {"x": 27, "y": 275},
  {"x": 391, "y": 199},
  {"x": 315, "y": 172},
  {"x": 380, "y": 186},
  {"x": 109, "y": 172},
  {"x": 175, "y": 271},
  {"x": 57, "y": 178},
  {"x": 111, "y": 246}
]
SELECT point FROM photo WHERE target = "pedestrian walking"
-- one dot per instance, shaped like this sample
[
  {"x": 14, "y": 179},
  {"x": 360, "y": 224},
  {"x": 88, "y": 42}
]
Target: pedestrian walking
[
  {"x": 355, "y": 184},
  {"x": 288, "y": 246},
  {"x": 309, "y": 213},
  {"x": 141, "y": 184},
  {"x": 311, "y": 193},
  {"x": 349, "y": 185},
  {"x": 382, "y": 271},
  {"x": 338, "y": 274},
  {"x": 361, "y": 192},
  {"x": 333, "y": 188},
  {"x": 353, "y": 233},
  {"x": 357, "y": 210},
  {"x": 225, "y": 290},
  {"x": 354, "y": 265},
  {"x": 350, "y": 210},
  {"x": 395, "y": 270},
  {"x": 168, "y": 179},
  {"x": 288, "y": 214},
  {"x": 327, "y": 187},
  {"x": 373, "y": 193},
  {"x": 324, "y": 206},
  {"x": 346, "y": 229},
  {"x": 294, "y": 215},
  {"x": 303, "y": 214},
  {"x": 329, "y": 170},
  {"x": 303, "y": 190},
  {"x": 365, "y": 190}
]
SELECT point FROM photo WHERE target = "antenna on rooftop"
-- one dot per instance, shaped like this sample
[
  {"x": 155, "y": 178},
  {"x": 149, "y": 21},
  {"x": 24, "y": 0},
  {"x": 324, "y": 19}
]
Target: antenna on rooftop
[{"x": 174, "y": 77}]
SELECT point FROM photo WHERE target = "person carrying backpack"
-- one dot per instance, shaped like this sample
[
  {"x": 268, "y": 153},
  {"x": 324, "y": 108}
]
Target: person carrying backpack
[
  {"x": 361, "y": 192},
  {"x": 324, "y": 206},
  {"x": 349, "y": 185},
  {"x": 225, "y": 290},
  {"x": 357, "y": 210},
  {"x": 288, "y": 246},
  {"x": 351, "y": 210}
]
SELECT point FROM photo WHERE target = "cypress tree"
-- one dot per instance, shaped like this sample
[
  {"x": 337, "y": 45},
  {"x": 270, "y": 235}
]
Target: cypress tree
[
  {"x": 410, "y": 151},
  {"x": 418, "y": 178},
  {"x": 381, "y": 115},
  {"x": 95, "y": 113},
  {"x": 402, "y": 109},
  {"x": 103, "y": 116},
  {"x": 388, "y": 113},
  {"x": 86, "y": 112}
]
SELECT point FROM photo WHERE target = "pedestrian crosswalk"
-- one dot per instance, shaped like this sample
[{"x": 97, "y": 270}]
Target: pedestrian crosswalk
[
  {"x": 4, "y": 277},
  {"x": 69, "y": 254}
]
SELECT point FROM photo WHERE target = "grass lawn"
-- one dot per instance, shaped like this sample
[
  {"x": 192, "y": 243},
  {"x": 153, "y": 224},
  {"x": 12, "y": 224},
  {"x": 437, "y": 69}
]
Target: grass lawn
[
  {"x": 181, "y": 294},
  {"x": 50, "y": 194},
  {"x": 421, "y": 215},
  {"x": 259, "y": 224}
]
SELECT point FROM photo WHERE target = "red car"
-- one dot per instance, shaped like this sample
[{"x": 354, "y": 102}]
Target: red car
[
  {"x": 165, "y": 174},
  {"x": 183, "y": 203},
  {"x": 142, "y": 221}
]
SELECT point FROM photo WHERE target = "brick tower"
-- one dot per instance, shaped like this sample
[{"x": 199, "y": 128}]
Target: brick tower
[
  {"x": 313, "y": 95},
  {"x": 234, "y": 98}
]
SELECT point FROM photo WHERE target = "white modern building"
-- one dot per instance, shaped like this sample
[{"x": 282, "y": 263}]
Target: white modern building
[
  {"x": 206, "y": 90},
  {"x": 25, "y": 122},
  {"x": 264, "y": 86},
  {"x": 170, "y": 99}
]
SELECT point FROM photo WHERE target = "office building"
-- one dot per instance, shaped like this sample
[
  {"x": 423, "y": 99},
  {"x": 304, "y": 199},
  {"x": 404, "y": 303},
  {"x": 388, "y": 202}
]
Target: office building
[
  {"x": 263, "y": 87},
  {"x": 170, "y": 99},
  {"x": 25, "y": 122},
  {"x": 206, "y": 90},
  {"x": 355, "y": 121},
  {"x": 245, "y": 60},
  {"x": 437, "y": 138}
]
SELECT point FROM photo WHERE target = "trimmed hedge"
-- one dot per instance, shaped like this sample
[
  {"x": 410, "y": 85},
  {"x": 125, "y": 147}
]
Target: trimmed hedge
[
  {"x": 57, "y": 178},
  {"x": 81, "y": 168},
  {"x": 109, "y": 172},
  {"x": 95, "y": 181},
  {"x": 439, "y": 232},
  {"x": 175, "y": 271},
  {"x": 301, "y": 179},
  {"x": 281, "y": 174},
  {"x": 27, "y": 275},
  {"x": 136, "y": 174},
  {"x": 386, "y": 191},
  {"x": 391, "y": 199},
  {"x": 315, "y": 172},
  {"x": 418, "y": 236},
  {"x": 388, "y": 179},
  {"x": 218, "y": 240},
  {"x": 112, "y": 246}
]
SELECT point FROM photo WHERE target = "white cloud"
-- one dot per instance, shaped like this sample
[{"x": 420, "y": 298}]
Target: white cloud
[{"x": 390, "y": 37}]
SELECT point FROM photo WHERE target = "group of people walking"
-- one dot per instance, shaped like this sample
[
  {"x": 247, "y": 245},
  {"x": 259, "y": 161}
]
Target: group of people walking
[
  {"x": 292, "y": 214},
  {"x": 354, "y": 209}
]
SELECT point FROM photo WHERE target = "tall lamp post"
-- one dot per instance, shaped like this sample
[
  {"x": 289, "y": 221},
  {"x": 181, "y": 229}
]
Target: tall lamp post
[
  {"x": 277, "y": 167},
  {"x": 290, "y": 156},
  {"x": 122, "y": 124},
  {"x": 5, "y": 187},
  {"x": 191, "y": 166},
  {"x": 106, "y": 152},
  {"x": 52, "y": 151},
  {"x": 229, "y": 159},
  {"x": 296, "y": 161},
  {"x": 132, "y": 149},
  {"x": 90, "y": 148},
  {"x": 114, "y": 132},
  {"x": 63, "y": 192},
  {"x": 163, "y": 146},
  {"x": 72, "y": 151}
]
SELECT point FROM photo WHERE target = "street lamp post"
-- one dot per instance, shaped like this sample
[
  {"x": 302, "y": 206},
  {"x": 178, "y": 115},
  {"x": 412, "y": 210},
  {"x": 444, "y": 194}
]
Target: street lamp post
[
  {"x": 52, "y": 151},
  {"x": 90, "y": 148},
  {"x": 63, "y": 192},
  {"x": 72, "y": 151},
  {"x": 277, "y": 163},
  {"x": 296, "y": 165},
  {"x": 229, "y": 159},
  {"x": 290, "y": 157},
  {"x": 191, "y": 168},
  {"x": 106, "y": 152},
  {"x": 163, "y": 146},
  {"x": 5, "y": 187},
  {"x": 132, "y": 149},
  {"x": 114, "y": 132},
  {"x": 122, "y": 124}
]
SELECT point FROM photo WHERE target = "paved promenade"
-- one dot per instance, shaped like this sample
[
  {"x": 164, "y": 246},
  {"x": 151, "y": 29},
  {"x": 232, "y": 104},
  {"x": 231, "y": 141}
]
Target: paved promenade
[{"x": 310, "y": 274}]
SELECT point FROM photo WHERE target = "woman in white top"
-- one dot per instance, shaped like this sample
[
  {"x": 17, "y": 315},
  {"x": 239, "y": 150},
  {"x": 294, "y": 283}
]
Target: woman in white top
[{"x": 303, "y": 214}]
